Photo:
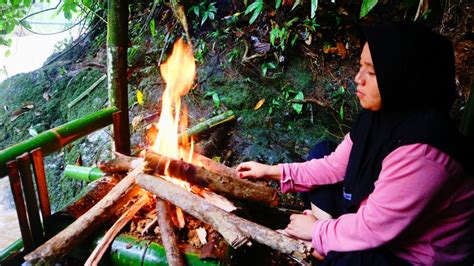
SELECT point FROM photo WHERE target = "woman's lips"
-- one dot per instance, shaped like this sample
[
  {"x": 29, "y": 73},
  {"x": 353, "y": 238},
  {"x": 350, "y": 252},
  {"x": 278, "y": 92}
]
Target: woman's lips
[{"x": 359, "y": 93}]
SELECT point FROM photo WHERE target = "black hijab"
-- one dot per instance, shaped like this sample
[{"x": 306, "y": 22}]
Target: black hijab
[{"x": 416, "y": 78}]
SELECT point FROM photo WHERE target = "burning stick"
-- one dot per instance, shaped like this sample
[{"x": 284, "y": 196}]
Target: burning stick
[
  {"x": 235, "y": 230},
  {"x": 100, "y": 249},
  {"x": 168, "y": 237},
  {"x": 80, "y": 229},
  {"x": 221, "y": 182},
  {"x": 215, "y": 176}
]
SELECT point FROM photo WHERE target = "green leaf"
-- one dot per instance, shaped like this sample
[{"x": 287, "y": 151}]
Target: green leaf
[
  {"x": 251, "y": 8},
  {"x": 153, "y": 28},
  {"x": 297, "y": 3},
  {"x": 367, "y": 5},
  {"x": 204, "y": 18},
  {"x": 216, "y": 100},
  {"x": 27, "y": 3},
  {"x": 256, "y": 7},
  {"x": 8, "y": 53},
  {"x": 341, "y": 112},
  {"x": 298, "y": 107},
  {"x": 314, "y": 6},
  {"x": 196, "y": 10},
  {"x": 277, "y": 4}
]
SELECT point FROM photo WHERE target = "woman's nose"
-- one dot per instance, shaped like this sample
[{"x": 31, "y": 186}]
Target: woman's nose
[{"x": 358, "y": 79}]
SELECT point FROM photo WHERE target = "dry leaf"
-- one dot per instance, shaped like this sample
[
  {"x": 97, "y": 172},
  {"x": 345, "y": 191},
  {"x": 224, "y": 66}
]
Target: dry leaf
[
  {"x": 259, "y": 104},
  {"x": 340, "y": 50},
  {"x": 140, "y": 97},
  {"x": 136, "y": 121},
  {"x": 46, "y": 96}
]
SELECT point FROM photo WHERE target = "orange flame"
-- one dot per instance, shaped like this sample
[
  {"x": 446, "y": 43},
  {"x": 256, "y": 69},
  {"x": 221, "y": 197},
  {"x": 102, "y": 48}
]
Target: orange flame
[{"x": 178, "y": 72}]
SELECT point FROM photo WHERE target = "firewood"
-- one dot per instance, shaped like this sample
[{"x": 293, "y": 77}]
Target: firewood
[
  {"x": 211, "y": 174},
  {"x": 102, "y": 247},
  {"x": 79, "y": 230},
  {"x": 168, "y": 237},
  {"x": 121, "y": 163},
  {"x": 235, "y": 230},
  {"x": 221, "y": 182}
]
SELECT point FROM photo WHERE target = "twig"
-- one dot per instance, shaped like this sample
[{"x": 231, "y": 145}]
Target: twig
[
  {"x": 168, "y": 237},
  {"x": 100, "y": 249}
]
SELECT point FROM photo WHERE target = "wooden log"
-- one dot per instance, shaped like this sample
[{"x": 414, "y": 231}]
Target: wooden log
[
  {"x": 205, "y": 211},
  {"x": 80, "y": 229},
  {"x": 218, "y": 182},
  {"x": 168, "y": 237},
  {"x": 235, "y": 230},
  {"x": 100, "y": 249},
  {"x": 121, "y": 163},
  {"x": 211, "y": 174}
]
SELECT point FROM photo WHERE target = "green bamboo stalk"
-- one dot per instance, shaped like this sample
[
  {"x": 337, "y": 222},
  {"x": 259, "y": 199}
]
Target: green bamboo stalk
[
  {"x": 86, "y": 92},
  {"x": 117, "y": 40},
  {"x": 87, "y": 174},
  {"x": 467, "y": 124},
  {"x": 56, "y": 138},
  {"x": 210, "y": 123}
]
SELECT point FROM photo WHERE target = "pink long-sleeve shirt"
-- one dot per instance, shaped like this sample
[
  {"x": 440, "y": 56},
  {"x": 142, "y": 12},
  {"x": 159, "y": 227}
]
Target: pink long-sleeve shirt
[{"x": 418, "y": 209}]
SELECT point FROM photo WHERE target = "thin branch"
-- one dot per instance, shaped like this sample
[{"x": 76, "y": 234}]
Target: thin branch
[{"x": 39, "y": 12}]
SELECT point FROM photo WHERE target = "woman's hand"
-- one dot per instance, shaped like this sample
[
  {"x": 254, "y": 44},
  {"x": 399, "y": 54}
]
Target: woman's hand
[
  {"x": 301, "y": 226},
  {"x": 258, "y": 170}
]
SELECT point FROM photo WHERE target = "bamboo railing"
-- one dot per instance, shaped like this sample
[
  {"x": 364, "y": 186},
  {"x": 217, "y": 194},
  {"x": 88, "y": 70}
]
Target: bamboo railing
[{"x": 54, "y": 139}]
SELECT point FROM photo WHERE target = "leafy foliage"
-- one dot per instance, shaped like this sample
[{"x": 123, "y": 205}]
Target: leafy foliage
[
  {"x": 204, "y": 11},
  {"x": 367, "y": 5},
  {"x": 255, "y": 8}
]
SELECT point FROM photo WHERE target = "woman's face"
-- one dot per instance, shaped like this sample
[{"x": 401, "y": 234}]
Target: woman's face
[{"x": 367, "y": 87}]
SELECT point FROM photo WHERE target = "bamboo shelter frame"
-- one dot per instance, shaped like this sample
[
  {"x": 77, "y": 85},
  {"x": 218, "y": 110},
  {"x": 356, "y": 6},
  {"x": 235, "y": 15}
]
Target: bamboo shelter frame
[{"x": 16, "y": 161}]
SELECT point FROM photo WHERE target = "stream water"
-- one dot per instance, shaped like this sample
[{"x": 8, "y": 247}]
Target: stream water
[{"x": 9, "y": 228}]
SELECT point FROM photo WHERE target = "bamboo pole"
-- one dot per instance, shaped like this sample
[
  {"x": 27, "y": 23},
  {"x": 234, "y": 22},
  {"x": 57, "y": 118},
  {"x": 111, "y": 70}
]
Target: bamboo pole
[
  {"x": 79, "y": 230},
  {"x": 83, "y": 173},
  {"x": 117, "y": 41},
  {"x": 86, "y": 92},
  {"x": 42, "y": 187},
  {"x": 56, "y": 138},
  {"x": 209, "y": 123},
  {"x": 30, "y": 199},
  {"x": 15, "y": 185}
]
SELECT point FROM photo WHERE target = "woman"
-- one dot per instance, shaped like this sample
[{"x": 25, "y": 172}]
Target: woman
[{"x": 405, "y": 193}]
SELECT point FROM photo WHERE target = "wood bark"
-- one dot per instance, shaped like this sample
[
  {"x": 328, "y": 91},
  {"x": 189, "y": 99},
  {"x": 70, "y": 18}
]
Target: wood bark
[
  {"x": 168, "y": 237},
  {"x": 235, "y": 230},
  {"x": 211, "y": 174},
  {"x": 74, "y": 234},
  {"x": 221, "y": 182},
  {"x": 102, "y": 247}
]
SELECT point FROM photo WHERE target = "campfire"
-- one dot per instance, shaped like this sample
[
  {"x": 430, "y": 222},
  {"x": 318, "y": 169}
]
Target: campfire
[{"x": 172, "y": 171}]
